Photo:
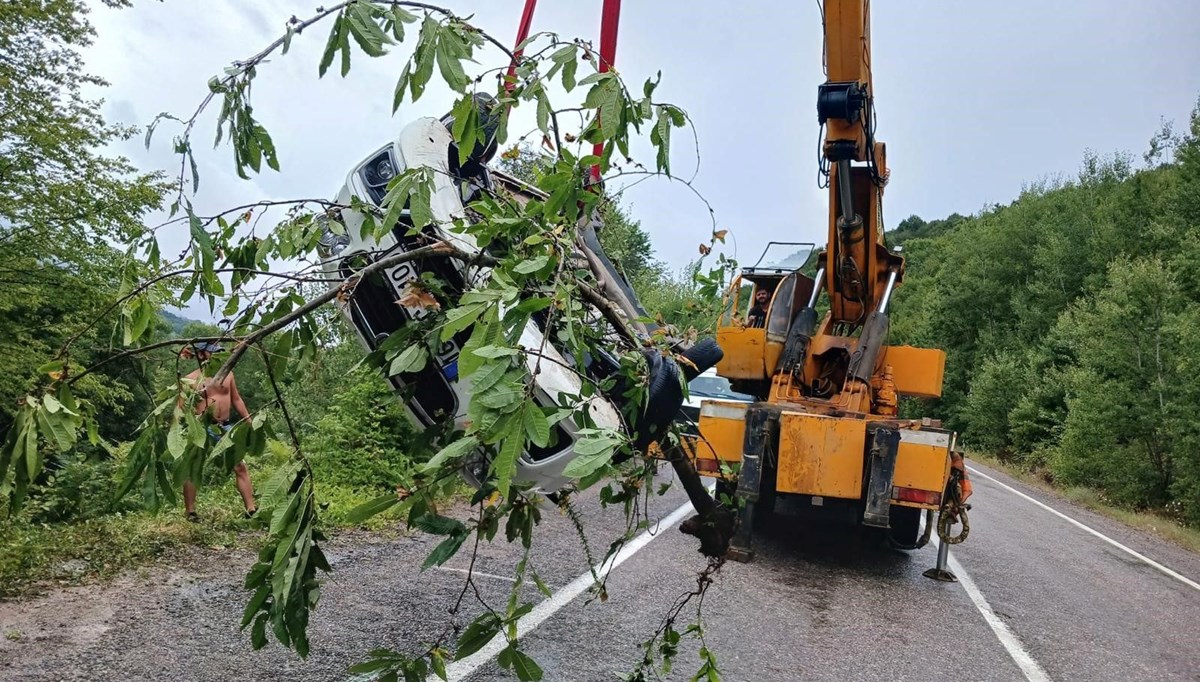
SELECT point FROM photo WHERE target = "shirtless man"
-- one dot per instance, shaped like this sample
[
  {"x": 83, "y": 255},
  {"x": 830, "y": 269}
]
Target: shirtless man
[{"x": 217, "y": 400}]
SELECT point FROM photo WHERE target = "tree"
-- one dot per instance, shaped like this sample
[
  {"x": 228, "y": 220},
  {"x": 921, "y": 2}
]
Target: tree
[
  {"x": 265, "y": 284},
  {"x": 63, "y": 203},
  {"x": 1118, "y": 429}
]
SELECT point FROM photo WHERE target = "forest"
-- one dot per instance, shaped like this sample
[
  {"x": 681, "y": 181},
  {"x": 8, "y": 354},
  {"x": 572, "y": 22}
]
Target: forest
[{"x": 1069, "y": 319}]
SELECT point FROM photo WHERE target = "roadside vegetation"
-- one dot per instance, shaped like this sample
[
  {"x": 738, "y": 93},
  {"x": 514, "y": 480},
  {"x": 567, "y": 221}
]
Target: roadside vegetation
[{"x": 1069, "y": 318}]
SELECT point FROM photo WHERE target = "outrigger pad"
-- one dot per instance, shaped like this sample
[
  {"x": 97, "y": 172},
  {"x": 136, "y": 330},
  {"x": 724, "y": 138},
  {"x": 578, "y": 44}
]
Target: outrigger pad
[
  {"x": 941, "y": 575},
  {"x": 885, "y": 443}
]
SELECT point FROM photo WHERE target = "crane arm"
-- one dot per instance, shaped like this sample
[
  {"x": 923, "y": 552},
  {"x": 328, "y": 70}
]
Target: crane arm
[{"x": 858, "y": 270}]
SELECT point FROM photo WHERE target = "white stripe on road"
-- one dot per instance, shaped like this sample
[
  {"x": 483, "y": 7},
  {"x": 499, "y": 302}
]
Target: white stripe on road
[
  {"x": 1114, "y": 543},
  {"x": 1032, "y": 670},
  {"x": 460, "y": 670},
  {"x": 479, "y": 574}
]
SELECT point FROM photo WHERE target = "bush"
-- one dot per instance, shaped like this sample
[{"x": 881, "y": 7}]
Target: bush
[
  {"x": 77, "y": 490},
  {"x": 364, "y": 439}
]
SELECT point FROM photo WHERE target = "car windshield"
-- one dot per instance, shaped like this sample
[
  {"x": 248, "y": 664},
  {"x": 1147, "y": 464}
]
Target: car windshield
[{"x": 714, "y": 387}]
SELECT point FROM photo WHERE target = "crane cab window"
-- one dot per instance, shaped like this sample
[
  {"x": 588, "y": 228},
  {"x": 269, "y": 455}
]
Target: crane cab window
[
  {"x": 737, "y": 301},
  {"x": 779, "y": 317}
]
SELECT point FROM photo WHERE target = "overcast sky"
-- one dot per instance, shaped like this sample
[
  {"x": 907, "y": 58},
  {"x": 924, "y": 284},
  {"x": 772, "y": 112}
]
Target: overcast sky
[{"x": 974, "y": 99}]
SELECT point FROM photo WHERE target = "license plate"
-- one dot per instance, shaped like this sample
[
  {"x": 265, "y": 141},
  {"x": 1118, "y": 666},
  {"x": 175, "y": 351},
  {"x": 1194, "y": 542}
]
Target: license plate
[{"x": 401, "y": 276}]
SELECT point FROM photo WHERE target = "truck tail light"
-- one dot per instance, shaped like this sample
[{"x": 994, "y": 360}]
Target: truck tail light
[{"x": 902, "y": 494}]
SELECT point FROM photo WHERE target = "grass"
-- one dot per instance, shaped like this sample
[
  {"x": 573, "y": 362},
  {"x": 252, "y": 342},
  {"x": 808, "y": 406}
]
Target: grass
[
  {"x": 38, "y": 556},
  {"x": 1152, "y": 522}
]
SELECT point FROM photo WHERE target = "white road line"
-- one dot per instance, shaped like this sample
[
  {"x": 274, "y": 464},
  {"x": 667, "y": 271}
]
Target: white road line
[
  {"x": 1011, "y": 643},
  {"x": 1093, "y": 531},
  {"x": 460, "y": 670},
  {"x": 481, "y": 574}
]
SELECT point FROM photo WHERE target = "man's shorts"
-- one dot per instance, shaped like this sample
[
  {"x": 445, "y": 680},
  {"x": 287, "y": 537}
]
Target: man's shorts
[{"x": 215, "y": 431}]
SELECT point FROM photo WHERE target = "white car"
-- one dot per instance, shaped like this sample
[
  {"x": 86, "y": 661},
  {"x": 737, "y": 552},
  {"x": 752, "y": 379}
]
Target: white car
[
  {"x": 707, "y": 386},
  {"x": 436, "y": 394}
]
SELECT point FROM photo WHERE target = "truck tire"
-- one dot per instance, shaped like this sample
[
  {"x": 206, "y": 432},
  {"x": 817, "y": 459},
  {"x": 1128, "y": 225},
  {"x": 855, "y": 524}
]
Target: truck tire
[{"x": 905, "y": 528}]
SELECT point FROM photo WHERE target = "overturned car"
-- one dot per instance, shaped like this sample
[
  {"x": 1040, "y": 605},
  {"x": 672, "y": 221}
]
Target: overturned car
[{"x": 436, "y": 396}]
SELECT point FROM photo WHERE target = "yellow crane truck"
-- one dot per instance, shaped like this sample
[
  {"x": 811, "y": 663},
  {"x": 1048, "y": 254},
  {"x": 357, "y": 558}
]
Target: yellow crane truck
[{"x": 824, "y": 425}]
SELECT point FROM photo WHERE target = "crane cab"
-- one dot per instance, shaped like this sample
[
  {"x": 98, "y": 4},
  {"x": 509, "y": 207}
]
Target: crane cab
[{"x": 751, "y": 332}]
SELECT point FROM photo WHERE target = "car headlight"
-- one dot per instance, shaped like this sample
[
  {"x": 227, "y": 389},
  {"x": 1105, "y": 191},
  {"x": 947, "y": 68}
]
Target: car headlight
[
  {"x": 331, "y": 242},
  {"x": 377, "y": 173}
]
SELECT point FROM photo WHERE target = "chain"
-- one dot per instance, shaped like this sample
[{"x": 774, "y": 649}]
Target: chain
[{"x": 953, "y": 511}]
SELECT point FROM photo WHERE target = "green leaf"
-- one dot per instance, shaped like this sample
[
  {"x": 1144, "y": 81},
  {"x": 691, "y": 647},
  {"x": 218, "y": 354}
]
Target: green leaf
[
  {"x": 541, "y": 585},
  {"x": 590, "y": 455},
  {"x": 374, "y": 507},
  {"x": 374, "y": 665},
  {"x": 458, "y": 319},
  {"x": 451, "y": 66},
  {"x": 502, "y": 396},
  {"x": 495, "y": 351},
  {"x": 477, "y": 635},
  {"x": 366, "y": 32},
  {"x": 533, "y": 305},
  {"x": 423, "y": 57},
  {"x": 51, "y": 404},
  {"x": 419, "y": 203},
  {"x": 344, "y": 45},
  {"x": 490, "y": 375},
  {"x": 439, "y": 525},
  {"x": 268, "y": 146},
  {"x": 466, "y": 120},
  {"x": 255, "y": 603},
  {"x": 258, "y": 635},
  {"x": 526, "y": 669},
  {"x": 504, "y": 466},
  {"x": 532, "y": 265},
  {"x": 568, "y": 74},
  {"x": 273, "y": 491},
  {"x": 401, "y": 86},
  {"x": 401, "y": 17},
  {"x": 444, "y": 551},
  {"x": 537, "y": 427},
  {"x": 331, "y": 46},
  {"x": 543, "y": 112},
  {"x": 175, "y": 440},
  {"x": 454, "y": 451},
  {"x": 438, "y": 662},
  {"x": 197, "y": 435},
  {"x": 411, "y": 359},
  {"x": 201, "y": 237}
]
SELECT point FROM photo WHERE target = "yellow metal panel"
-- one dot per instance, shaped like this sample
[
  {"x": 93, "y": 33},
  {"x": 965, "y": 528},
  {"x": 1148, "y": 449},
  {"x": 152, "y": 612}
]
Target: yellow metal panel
[
  {"x": 723, "y": 428},
  {"x": 743, "y": 348},
  {"x": 820, "y": 455},
  {"x": 922, "y": 462},
  {"x": 917, "y": 372}
]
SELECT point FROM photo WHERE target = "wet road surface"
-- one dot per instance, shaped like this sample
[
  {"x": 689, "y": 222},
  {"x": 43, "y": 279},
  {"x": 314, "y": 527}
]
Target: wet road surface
[{"x": 820, "y": 601}]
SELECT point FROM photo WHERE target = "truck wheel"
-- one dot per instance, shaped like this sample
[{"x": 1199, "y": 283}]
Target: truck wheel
[{"x": 905, "y": 525}]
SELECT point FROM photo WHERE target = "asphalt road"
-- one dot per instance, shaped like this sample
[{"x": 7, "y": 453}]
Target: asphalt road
[{"x": 1041, "y": 598}]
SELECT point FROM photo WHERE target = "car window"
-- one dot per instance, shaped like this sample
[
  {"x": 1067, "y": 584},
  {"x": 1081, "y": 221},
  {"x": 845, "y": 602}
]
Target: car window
[{"x": 714, "y": 387}]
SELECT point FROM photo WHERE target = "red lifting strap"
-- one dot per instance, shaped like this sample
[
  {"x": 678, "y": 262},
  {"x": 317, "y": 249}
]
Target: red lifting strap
[
  {"x": 610, "y": 18},
  {"x": 522, "y": 34},
  {"x": 609, "y": 21}
]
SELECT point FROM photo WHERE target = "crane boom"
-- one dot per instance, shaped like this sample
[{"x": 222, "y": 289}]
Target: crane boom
[{"x": 859, "y": 270}]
